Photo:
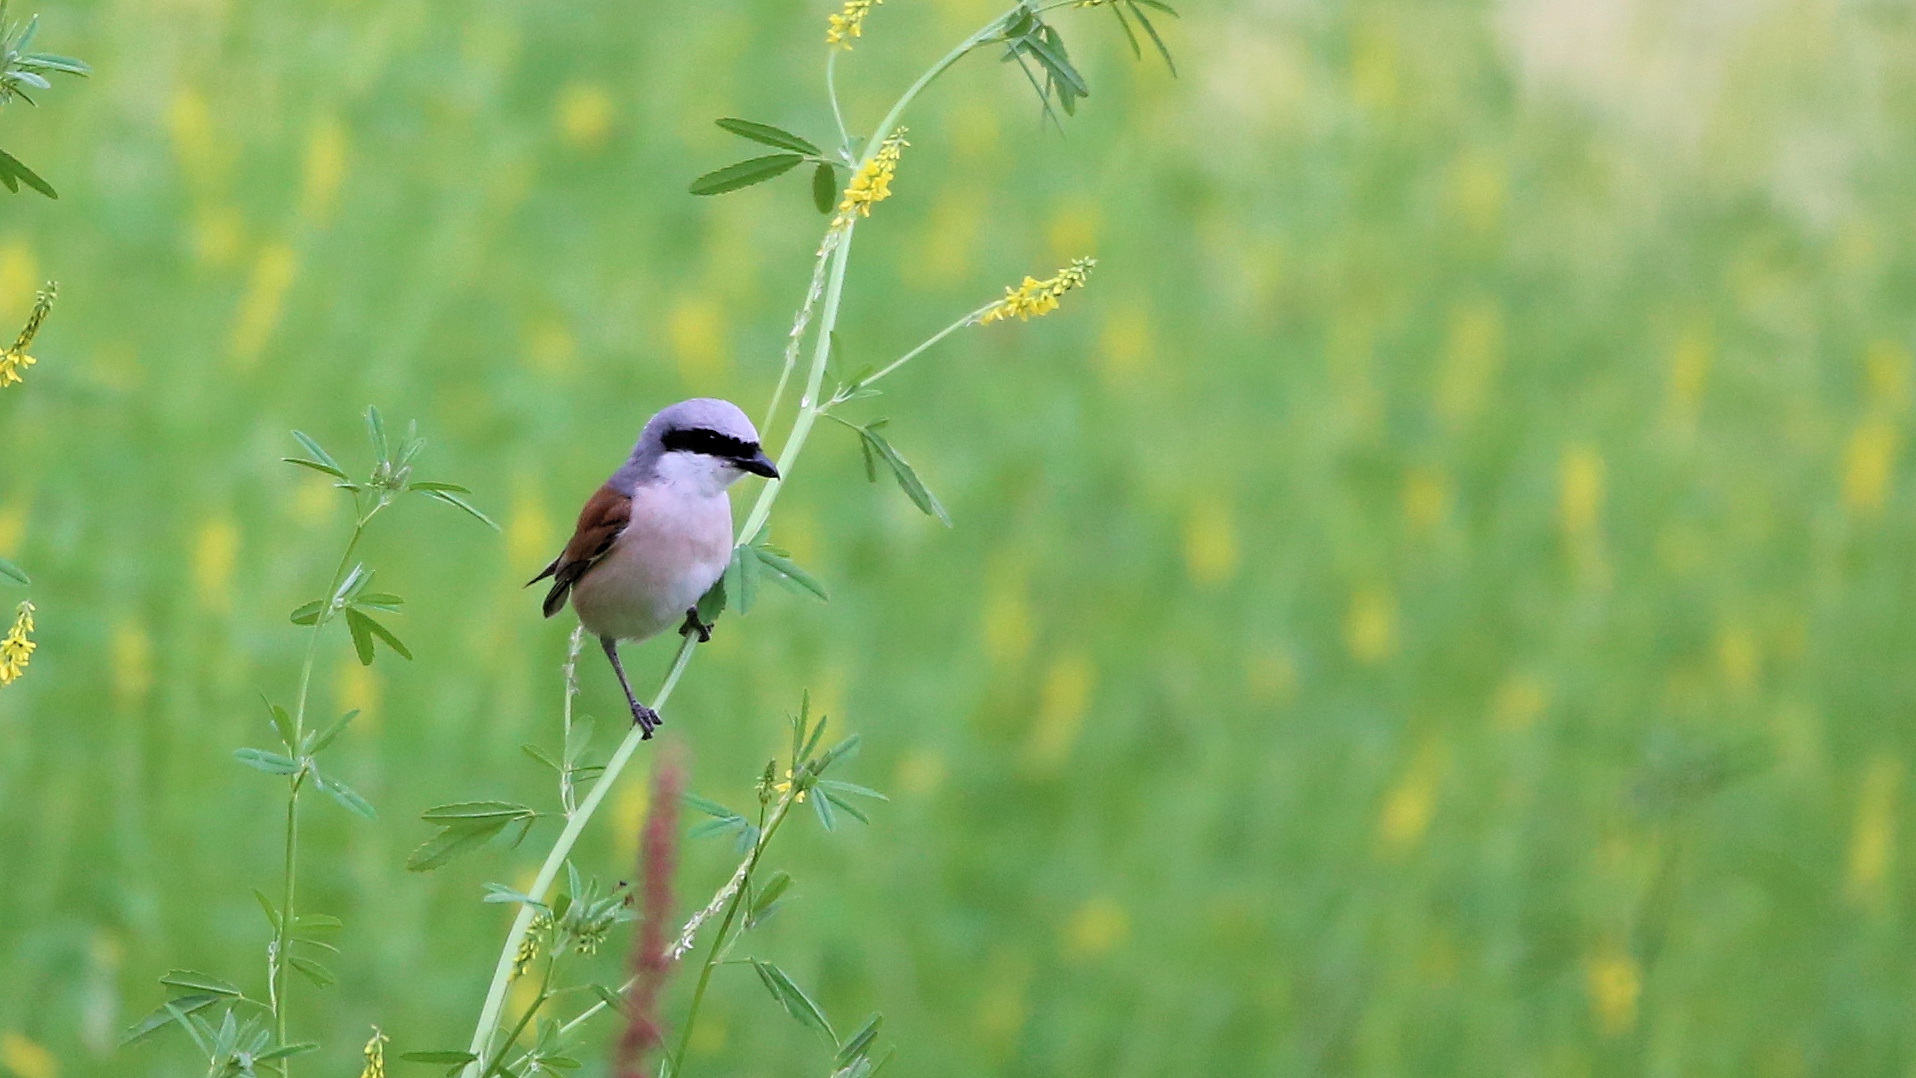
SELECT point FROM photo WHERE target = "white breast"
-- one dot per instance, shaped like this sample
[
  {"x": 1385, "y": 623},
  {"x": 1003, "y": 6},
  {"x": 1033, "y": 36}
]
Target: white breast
[{"x": 675, "y": 548}]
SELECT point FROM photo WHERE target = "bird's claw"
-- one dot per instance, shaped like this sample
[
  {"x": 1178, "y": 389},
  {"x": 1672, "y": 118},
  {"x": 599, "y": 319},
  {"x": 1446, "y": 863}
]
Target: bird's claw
[
  {"x": 646, "y": 720},
  {"x": 695, "y": 624}
]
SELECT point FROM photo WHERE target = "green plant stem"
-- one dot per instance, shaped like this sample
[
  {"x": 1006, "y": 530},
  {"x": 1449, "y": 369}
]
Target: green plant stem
[
  {"x": 967, "y": 320},
  {"x": 831, "y": 94},
  {"x": 283, "y": 934},
  {"x": 545, "y": 993},
  {"x": 555, "y": 861},
  {"x": 731, "y": 913},
  {"x": 839, "y": 253}
]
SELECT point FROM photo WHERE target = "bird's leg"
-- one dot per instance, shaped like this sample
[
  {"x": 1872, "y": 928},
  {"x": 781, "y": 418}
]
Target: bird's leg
[
  {"x": 693, "y": 624},
  {"x": 644, "y": 716}
]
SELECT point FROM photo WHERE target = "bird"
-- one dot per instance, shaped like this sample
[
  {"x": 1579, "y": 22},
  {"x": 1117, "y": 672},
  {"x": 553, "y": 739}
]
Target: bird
[{"x": 657, "y": 535}]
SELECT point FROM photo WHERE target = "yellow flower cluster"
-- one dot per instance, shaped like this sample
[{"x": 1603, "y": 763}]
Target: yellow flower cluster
[
  {"x": 15, "y": 359},
  {"x": 16, "y": 648},
  {"x": 375, "y": 1056},
  {"x": 849, "y": 23},
  {"x": 1035, "y": 298},
  {"x": 872, "y": 183}
]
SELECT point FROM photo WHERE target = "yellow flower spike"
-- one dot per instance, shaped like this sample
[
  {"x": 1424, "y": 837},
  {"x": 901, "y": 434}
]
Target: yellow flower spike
[
  {"x": 849, "y": 23},
  {"x": 1035, "y": 298},
  {"x": 15, "y": 358},
  {"x": 872, "y": 182},
  {"x": 16, "y": 648},
  {"x": 375, "y": 1056}
]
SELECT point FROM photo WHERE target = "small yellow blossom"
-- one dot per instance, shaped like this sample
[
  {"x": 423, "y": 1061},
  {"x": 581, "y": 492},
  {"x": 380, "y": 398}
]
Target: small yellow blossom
[
  {"x": 16, "y": 649},
  {"x": 781, "y": 787},
  {"x": 1035, "y": 298},
  {"x": 872, "y": 182},
  {"x": 375, "y": 1056},
  {"x": 15, "y": 358},
  {"x": 849, "y": 23}
]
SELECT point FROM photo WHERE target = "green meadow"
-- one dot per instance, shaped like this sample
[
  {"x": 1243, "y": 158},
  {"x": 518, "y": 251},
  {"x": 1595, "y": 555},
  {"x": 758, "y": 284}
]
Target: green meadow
[{"x": 1438, "y": 602}]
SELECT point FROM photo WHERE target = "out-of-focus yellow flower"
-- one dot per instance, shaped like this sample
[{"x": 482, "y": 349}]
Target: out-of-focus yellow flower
[
  {"x": 375, "y": 1056},
  {"x": 15, "y": 358},
  {"x": 1614, "y": 981},
  {"x": 25, "y": 1058},
  {"x": 872, "y": 182},
  {"x": 16, "y": 648},
  {"x": 849, "y": 23},
  {"x": 1035, "y": 298}
]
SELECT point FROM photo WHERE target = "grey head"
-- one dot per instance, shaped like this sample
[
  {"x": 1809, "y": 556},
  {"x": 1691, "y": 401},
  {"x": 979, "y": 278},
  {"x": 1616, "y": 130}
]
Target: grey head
[{"x": 701, "y": 435}]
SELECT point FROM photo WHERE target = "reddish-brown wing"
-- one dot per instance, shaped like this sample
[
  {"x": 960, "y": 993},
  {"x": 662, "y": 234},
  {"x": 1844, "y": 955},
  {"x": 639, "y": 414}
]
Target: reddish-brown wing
[{"x": 605, "y": 515}]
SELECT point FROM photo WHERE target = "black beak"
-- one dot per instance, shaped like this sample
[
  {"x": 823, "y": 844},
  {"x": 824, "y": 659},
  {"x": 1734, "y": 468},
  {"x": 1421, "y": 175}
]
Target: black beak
[{"x": 759, "y": 464}]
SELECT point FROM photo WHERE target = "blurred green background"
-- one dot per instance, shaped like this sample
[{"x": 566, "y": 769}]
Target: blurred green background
[{"x": 1438, "y": 603}]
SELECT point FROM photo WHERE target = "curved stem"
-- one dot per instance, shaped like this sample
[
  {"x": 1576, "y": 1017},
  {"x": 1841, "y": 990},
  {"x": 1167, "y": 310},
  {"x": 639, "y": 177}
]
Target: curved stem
[
  {"x": 914, "y": 353},
  {"x": 831, "y": 94},
  {"x": 555, "y": 860},
  {"x": 837, "y": 249},
  {"x": 807, "y": 404},
  {"x": 283, "y": 932}
]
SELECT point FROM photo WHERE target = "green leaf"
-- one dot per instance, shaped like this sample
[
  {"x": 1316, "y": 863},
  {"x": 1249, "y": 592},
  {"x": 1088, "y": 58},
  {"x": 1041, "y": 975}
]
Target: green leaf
[
  {"x": 286, "y": 1051},
  {"x": 854, "y": 811},
  {"x": 713, "y": 827},
  {"x": 376, "y": 434},
  {"x": 1049, "y": 50},
  {"x": 316, "y": 466},
  {"x": 313, "y": 971},
  {"x": 13, "y": 572},
  {"x": 795, "y": 1001},
  {"x": 787, "y": 572},
  {"x": 499, "y": 892},
  {"x": 452, "y": 843},
  {"x": 710, "y": 808},
  {"x": 1153, "y": 31},
  {"x": 319, "y": 454},
  {"x": 167, "y": 1013},
  {"x": 346, "y": 796},
  {"x": 444, "y": 488},
  {"x": 822, "y": 807},
  {"x": 768, "y": 895},
  {"x": 307, "y": 613},
  {"x": 1117, "y": 9},
  {"x": 325, "y": 737},
  {"x": 266, "y": 906},
  {"x": 856, "y": 1044},
  {"x": 194, "y": 981},
  {"x": 309, "y": 921},
  {"x": 745, "y": 173},
  {"x": 270, "y": 762},
  {"x": 475, "y": 810},
  {"x": 379, "y": 600},
  {"x": 561, "y": 1062},
  {"x": 354, "y": 619},
  {"x": 465, "y": 826},
  {"x": 610, "y": 998},
  {"x": 712, "y": 603},
  {"x": 542, "y": 756},
  {"x": 769, "y": 135},
  {"x": 907, "y": 477},
  {"x": 13, "y": 169},
  {"x": 464, "y": 506},
  {"x": 825, "y": 188},
  {"x": 282, "y": 723},
  {"x": 439, "y": 1057},
  {"x": 851, "y": 788},
  {"x": 361, "y": 625}
]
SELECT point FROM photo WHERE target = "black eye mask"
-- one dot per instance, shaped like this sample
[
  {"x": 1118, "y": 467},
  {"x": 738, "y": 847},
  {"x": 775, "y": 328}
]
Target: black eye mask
[{"x": 709, "y": 442}]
